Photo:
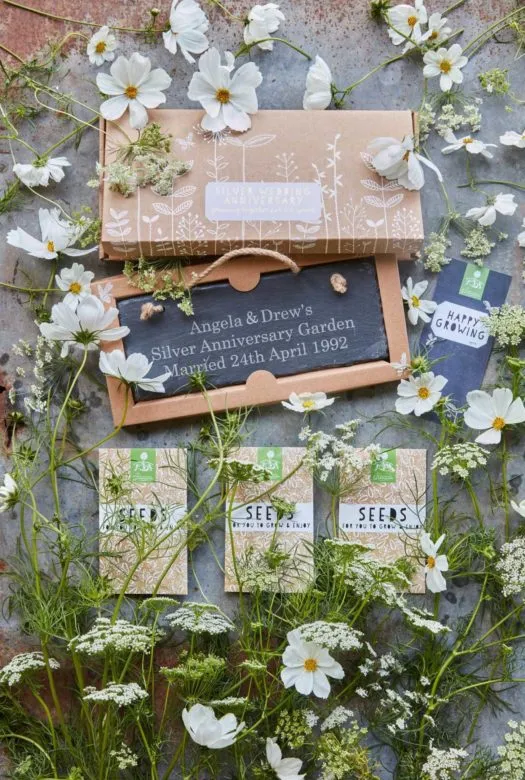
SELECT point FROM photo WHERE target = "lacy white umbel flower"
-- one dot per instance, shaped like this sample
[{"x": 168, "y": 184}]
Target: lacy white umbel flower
[
  {"x": 8, "y": 493},
  {"x": 57, "y": 237},
  {"x": 84, "y": 328},
  {"x": 37, "y": 174},
  {"x": 132, "y": 84},
  {"x": 207, "y": 730},
  {"x": 132, "y": 370},
  {"x": 435, "y": 564},
  {"x": 447, "y": 64},
  {"x": 419, "y": 394},
  {"x": 308, "y": 666},
  {"x": 511, "y": 138},
  {"x": 200, "y": 619},
  {"x": 492, "y": 413},
  {"x": 511, "y": 566},
  {"x": 501, "y": 204},
  {"x": 188, "y": 23},
  {"x": 318, "y": 94},
  {"x": 24, "y": 663},
  {"x": 307, "y": 402},
  {"x": 471, "y": 145},
  {"x": 262, "y": 21},
  {"x": 395, "y": 159},
  {"x": 405, "y": 22},
  {"x": 418, "y": 309},
  {"x": 75, "y": 282},
  {"x": 519, "y": 507},
  {"x": 284, "y": 768},
  {"x": 118, "y": 637},
  {"x": 333, "y": 636},
  {"x": 438, "y": 30},
  {"x": 101, "y": 46},
  {"x": 121, "y": 694},
  {"x": 227, "y": 99}
]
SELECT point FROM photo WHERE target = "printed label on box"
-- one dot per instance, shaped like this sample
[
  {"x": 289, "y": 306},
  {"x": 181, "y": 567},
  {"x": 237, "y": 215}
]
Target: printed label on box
[
  {"x": 461, "y": 324},
  {"x": 234, "y": 201},
  {"x": 474, "y": 281}
]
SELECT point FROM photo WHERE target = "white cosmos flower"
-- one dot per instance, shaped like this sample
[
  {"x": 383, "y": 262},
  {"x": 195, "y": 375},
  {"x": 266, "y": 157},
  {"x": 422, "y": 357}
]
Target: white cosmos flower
[
  {"x": 8, "y": 493},
  {"x": 471, "y": 145},
  {"x": 37, "y": 174},
  {"x": 132, "y": 370},
  {"x": 447, "y": 64},
  {"x": 101, "y": 46},
  {"x": 188, "y": 23},
  {"x": 58, "y": 236},
  {"x": 307, "y": 667},
  {"x": 209, "y": 731},
  {"x": 307, "y": 402},
  {"x": 435, "y": 564},
  {"x": 85, "y": 327},
  {"x": 284, "y": 768},
  {"x": 438, "y": 30},
  {"x": 486, "y": 215},
  {"x": 419, "y": 394},
  {"x": 76, "y": 282},
  {"x": 261, "y": 22},
  {"x": 511, "y": 138},
  {"x": 405, "y": 22},
  {"x": 418, "y": 309},
  {"x": 227, "y": 99},
  {"x": 492, "y": 413},
  {"x": 519, "y": 507},
  {"x": 394, "y": 159},
  {"x": 132, "y": 84},
  {"x": 318, "y": 94}
]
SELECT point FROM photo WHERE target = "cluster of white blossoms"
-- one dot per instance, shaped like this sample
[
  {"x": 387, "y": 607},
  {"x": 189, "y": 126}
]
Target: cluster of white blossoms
[
  {"x": 22, "y": 664},
  {"x": 326, "y": 453},
  {"x": 512, "y": 753},
  {"x": 333, "y": 636},
  {"x": 124, "y": 757},
  {"x": 338, "y": 717},
  {"x": 121, "y": 694},
  {"x": 507, "y": 324},
  {"x": 511, "y": 566},
  {"x": 459, "y": 460},
  {"x": 443, "y": 764},
  {"x": 200, "y": 619},
  {"x": 118, "y": 637}
]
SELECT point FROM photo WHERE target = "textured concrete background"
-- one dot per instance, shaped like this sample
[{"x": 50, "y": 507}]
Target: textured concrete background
[{"x": 352, "y": 44}]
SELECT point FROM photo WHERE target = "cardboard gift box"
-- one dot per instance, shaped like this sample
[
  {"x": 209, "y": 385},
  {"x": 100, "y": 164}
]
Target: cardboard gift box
[{"x": 299, "y": 182}]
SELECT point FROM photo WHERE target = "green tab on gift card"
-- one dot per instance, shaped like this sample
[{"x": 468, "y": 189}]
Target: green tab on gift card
[
  {"x": 474, "y": 281},
  {"x": 271, "y": 458},
  {"x": 384, "y": 469},
  {"x": 143, "y": 465}
]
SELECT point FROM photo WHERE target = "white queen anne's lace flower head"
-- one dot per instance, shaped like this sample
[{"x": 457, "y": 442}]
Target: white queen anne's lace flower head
[
  {"x": 39, "y": 173},
  {"x": 75, "y": 282},
  {"x": 188, "y": 23},
  {"x": 307, "y": 667},
  {"x": 118, "y": 637},
  {"x": 207, "y": 730},
  {"x": 419, "y": 394},
  {"x": 469, "y": 144},
  {"x": 307, "y": 402},
  {"x": 132, "y": 85},
  {"x": 332, "y": 636},
  {"x": 58, "y": 236},
  {"x": 492, "y": 413},
  {"x": 8, "y": 493},
  {"x": 262, "y": 21},
  {"x": 284, "y": 768},
  {"x": 418, "y": 309},
  {"x": 394, "y": 159},
  {"x": 447, "y": 64},
  {"x": 132, "y": 370},
  {"x": 121, "y": 694},
  {"x": 101, "y": 46},
  {"x": 200, "y": 619},
  {"x": 23, "y": 664},
  {"x": 503, "y": 203},
  {"x": 511, "y": 566},
  {"x": 318, "y": 94},
  {"x": 435, "y": 564},
  {"x": 227, "y": 97}
]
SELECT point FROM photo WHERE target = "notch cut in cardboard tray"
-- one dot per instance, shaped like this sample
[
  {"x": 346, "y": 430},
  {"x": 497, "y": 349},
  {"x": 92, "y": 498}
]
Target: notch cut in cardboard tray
[{"x": 299, "y": 182}]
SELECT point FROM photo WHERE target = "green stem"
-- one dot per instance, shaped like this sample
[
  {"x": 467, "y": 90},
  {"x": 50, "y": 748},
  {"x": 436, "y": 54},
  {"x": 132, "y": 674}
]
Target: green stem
[
  {"x": 472, "y": 183},
  {"x": 73, "y": 21},
  {"x": 246, "y": 47}
]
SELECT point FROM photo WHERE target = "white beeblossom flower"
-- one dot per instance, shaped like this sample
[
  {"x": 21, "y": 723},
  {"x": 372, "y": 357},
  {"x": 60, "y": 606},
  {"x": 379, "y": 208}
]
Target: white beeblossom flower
[
  {"x": 421, "y": 619},
  {"x": 132, "y": 370},
  {"x": 332, "y": 636},
  {"x": 121, "y": 694},
  {"x": 512, "y": 753},
  {"x": 84, "y": 328},
  {"x": 307, "y": 402},
  {"x": 500, "y": 204},
  {"x": 443, "y": 764},
  {"x": 207, "y": 730},
  {"x": 105, "y": 637},
  {"x": 227, "y": 99},
  {"x": 22, "y": 664},
  {"x": 447, "y": 64},
  {"x": 460, "y": 459},
  {"x": 284, "y": 768},
  {"x": 307, "y": 667},
  {"x": 419, "y": 394},
  {"x": 318, "y": 93},
  {"x": 124, "y": 757},
  {"x": 57, "y": 237},
  {"x": 101, "y": 46},
  {"x": 438, "y": 29},
  {"x": 519, "y": 507},
  {"x": 511, "y": 566},
  {"x": 469, "y": 144},
  {"x": 394, "y": 159},
  {"x": 188, "y": 23},
  {"x": 435, "y": 564},
  {"x": 132, "y": 85},
  {"x": 200, "y": 619},
  {"x": 75, "y": 282},
  {"x": 261, "y": 22},
  {"x": 511, "y": 138},
  {"x": 8, "y": 493},
  {"x": 492, "y": 413},
  {"x": 38, "y": 173},
  {"x": 418, "y": 308},
  {"x": 338, "y": 717},
  {"x": 404, "y": 22}
]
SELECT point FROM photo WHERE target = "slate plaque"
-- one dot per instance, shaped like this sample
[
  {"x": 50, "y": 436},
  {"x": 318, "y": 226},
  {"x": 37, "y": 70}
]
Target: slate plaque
[{"x": 287, "y": 325}]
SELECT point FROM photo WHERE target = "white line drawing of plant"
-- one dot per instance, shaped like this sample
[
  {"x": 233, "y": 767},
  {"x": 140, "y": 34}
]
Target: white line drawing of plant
[
  {"x": 120, "y": 228},
  {"x": 159, "y": 237},
  {"x": 381, "y": 187},
  {"x": 337, "y": 181},
  {"x": 287, "y": 170},
  {"x": 353, "y": 224},
  {"x": 190, "y": 234},
  {"x": 217, "y": 164},
  {"x": 323, "y": 187},
  {"x": 373, "y": 225},
  {"x": 269, "y": 229},
  {"x": 305, "y": 239},
  {"x": 405, "y": 226},
  {"x": 174, "y": 208}
]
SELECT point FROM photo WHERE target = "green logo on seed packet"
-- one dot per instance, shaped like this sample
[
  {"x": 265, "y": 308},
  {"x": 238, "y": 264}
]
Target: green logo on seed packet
[
  {"x": 384, "y": 469},
  {"x": 143, "y": 465},
  {"x": 271, "y": 458},
  {"x": 474, "y": 281}
]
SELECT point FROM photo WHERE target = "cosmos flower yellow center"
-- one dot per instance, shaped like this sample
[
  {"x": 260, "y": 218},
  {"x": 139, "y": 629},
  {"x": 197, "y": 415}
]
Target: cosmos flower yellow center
[
  {"x": 433, "y": 35},
  {"x": 308, "y": 404},
  {"x": 100, "y": 47},
  {"x": 415, "y": 301},
  {"x": 131, "y": 92},
  {"x": 50, "y": 246},
  {"x": 423, "y": 392},
  {"x": 498, "y": 423},
  {"x": 467, "y": 140},
  {"x": 445, "y": 66},
  {"x": 75, "y": 287},
  {"x": 223, "y": 95},
  {"x": 412, "y": 21},
  {"x": 406, "y": 156},
  {"x": 431, "y": 562},
  {"x": 310, "y": 665}
]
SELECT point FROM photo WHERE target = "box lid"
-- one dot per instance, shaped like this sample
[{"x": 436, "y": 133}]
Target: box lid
[{"x": 299, "y": 182}]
